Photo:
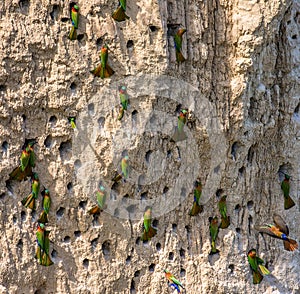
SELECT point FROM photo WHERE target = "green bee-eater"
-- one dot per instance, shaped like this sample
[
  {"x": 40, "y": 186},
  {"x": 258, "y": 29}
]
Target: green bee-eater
[
  {"x": 285, "y": 186},
  {"x": 214, "y": 230},
  {"x": 43, "y": 244},
  {"x": 124, "y": 166},
  {"x": 29, "y": 201},
  {"x": 257, "y": 266},
  {"x": 179, "y": 134},
  {"x": 149, "y": 231},
  {"x": 101, "y": 197},
  {"x": 46, "y": 206},
  {"x": 74, "y": 18},
  {"x": 197, "y": 208},
  {"x": 119, "y": 14},
  {"x": 24, "y": 160},
  {"x": 72, "y": 121},
  {"x": 103, "y": 70},
  {"x": 225, "y": 219},
  {"x": 178, "y": 44},
  {"x": 280, "y": 231}
]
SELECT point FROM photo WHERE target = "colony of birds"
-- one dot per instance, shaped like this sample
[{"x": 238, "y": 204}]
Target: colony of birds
[{"x": 27, "y": 162}]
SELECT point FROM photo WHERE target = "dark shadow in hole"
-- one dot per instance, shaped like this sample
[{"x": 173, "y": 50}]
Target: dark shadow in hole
[
  {"x": 151, "y": 267},
  {"x": 55, "y": 12},
  {"x": 48, "y": 141}
]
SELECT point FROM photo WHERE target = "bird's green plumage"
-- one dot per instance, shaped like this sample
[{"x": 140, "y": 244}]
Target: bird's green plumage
[
  {"x": 46, "y": 201},
  {"x": 214, "y": 230},
  {"x": 123, "y": 4},
  {"x": 119, "y": 14},
  {"x": 197, "y": 208},
  {"x": 35, "y": 186},
  {"x": 25, "y": 156},
  {"x": 178, "y": 44},
  {"x": 124, "y": 166},
  {"x": 124, "y": 97},
  {"x": 223, "y": 211},
  {"x": 257, "y": 266},
  {"x": 75, "y": 16},
  {"x": 285, "y": 186},
  {"x": 29, "y": 201},
  {"x": 101, "y": 197},
  {"x": 149, "y": 231}
]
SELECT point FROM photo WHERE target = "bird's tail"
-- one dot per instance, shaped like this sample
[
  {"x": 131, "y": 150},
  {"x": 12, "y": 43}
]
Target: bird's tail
[
  {"x": 290, "y": 245},
  {"x": 263, "y": 269},
  {"x": 214, "y": 250},
  {"x": 257, "y": 277},
  {"x": 94, "y": 210},
  {"x": 148, "y": 235},
  {"x": 288, "y": 202},
  {"x": 179, "y": 135},
  {"x": 175, "y": 286},
  {"x": 38, "y": 254},
  {"x": 46, "y": 260},
  {"x": 29, "y": 201},
  {"x": 108, "y": 71},
  {"x": 196, "y": 208},
  {"x": 73, "y": 34},
  {"x": 117, "y": 178},
  {"x": 121, "y": 113},
  {"x": 43, "y": 217},
  {"x": 225, "y": 222},
  {"x": 119, "y": 14},
  {"x": 179, "y": 57},
  {"x": 19, "y": 175}
]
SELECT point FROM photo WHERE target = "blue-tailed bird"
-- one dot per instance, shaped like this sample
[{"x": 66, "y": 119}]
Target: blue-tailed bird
[
  {"x": 171, "y": 279},
  {"x": 179, "y": 134},
  {"x": 257, "y": 266},
  {"x": 74, "y": 17},
  {"x": 178, "y": 44},
  {"x": 280, "y": 231},
  {"x": 285, "y": 186}
]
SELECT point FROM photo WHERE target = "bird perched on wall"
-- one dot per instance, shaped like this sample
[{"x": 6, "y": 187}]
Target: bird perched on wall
[
  {"x": 43, "y": 245},
  {"x": 27, "y": 162},
  {"x": 29, "y": 201},
  {"x": 119, "y": 14},
  {"x": 174, "y": 282},
  {"x": 225, "y": 219},
  {"x": 179, "y": 134},
  {"x": 149, "y": 231},
  {"x": 123, "y": 101},
  {"x": 74, "y": 13},
  {"x": 214, "y": 230},
  {"x": 197, "y": 208},
  {"x": 257, "y": 266},
  {"x": 46, "y": 206},
  {"x": 72, "y": 121},
  {"x": 124, "y": 170},
  {"x": 280, "y": 231},
  {"x": 101, "y": 198},
  {"x": 178, "y": 45},
  {"x": 103, "y": 70},
  {"x": 285, "y": 186}
]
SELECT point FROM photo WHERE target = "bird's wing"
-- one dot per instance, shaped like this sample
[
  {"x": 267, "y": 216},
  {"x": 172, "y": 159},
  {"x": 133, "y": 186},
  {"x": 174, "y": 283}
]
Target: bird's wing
[
  {"x": 267, "y": 230},
  {"x": 280, "y": 224}
]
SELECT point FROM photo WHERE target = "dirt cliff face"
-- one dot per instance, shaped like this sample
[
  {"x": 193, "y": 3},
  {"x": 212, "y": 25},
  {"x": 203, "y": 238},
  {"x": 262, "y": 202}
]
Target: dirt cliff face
[{"x": 240, "y": 83}]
